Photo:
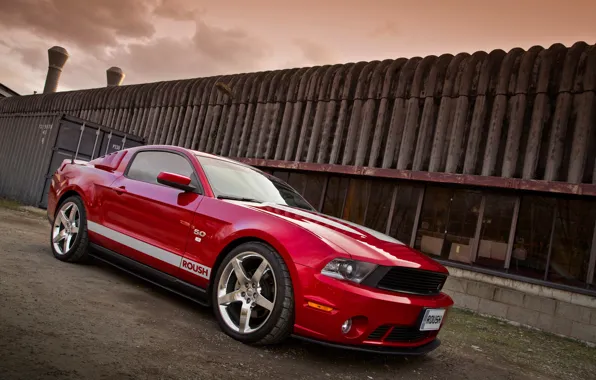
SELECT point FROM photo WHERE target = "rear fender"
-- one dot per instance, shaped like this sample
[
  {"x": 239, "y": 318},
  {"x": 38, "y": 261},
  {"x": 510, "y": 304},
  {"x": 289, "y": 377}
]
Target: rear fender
[{"x": 81, "y": 179}]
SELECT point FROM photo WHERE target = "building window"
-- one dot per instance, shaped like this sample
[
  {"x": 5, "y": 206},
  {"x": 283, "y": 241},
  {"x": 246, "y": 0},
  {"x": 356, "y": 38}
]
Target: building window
[
  {"x": 495, "y": 230},
  {"x": 552, "y": 241},
  {"x": 283, "y": 175},
  {"x": 335, "y": 196},
  {"x": 404, "y": 212},
  {"x": 298, "y": 182},
  {"x": 379, "y": 205},
  {"x": 532, "y": 238},
  {"x": 572, "y": 240},
  {"x": 448, "y": 223},
  {"x": 356, "y": 200},
  {"x": 315, "y": 186}
]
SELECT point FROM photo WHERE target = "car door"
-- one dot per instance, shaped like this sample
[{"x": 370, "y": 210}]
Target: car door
[{"x": 152, "y": 221}]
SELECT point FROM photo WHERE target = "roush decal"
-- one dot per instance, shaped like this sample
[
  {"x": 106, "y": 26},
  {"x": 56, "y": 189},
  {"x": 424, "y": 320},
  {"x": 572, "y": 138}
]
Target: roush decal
[{"x": 195, "y": 268}]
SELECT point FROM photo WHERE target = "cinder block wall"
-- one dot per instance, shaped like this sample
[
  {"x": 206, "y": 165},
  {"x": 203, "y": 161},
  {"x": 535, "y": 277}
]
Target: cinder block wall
[{"x": 556, "y": 311}]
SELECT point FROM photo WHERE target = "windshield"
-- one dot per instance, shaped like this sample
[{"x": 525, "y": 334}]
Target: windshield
[{"x": 236, "y": 181}]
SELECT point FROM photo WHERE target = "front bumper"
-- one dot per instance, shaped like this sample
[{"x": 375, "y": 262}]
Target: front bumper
[
  {"x": 383, "y": 350},
  {"x": 382, "y": 321}
]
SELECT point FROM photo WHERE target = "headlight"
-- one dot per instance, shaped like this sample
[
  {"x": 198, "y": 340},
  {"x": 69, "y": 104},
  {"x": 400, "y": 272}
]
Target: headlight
[{"x": 352, "y": 270}]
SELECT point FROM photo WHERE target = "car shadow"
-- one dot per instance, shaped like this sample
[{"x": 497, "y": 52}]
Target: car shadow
[
  {"x": 319, "y": 352},
  {"x": 293, "y": 347},
  {"x": 156, "y": 290}
]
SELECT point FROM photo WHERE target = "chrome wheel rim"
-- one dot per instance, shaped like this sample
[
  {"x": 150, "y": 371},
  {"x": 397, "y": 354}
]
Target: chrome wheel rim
[
  {"x": 246, "y": 292},
  {"x": 66, "y": 228}
]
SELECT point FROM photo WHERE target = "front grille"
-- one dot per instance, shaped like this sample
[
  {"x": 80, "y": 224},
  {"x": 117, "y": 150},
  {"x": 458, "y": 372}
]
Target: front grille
[
  {"x": 410, "y": 280},
  {"x": 379, "y": 332},
  {"x": 404, "y": 334}
]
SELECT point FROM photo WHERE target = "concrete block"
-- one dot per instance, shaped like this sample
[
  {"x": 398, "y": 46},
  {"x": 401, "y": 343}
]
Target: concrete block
[
  {"x": 583, "y": 300},
  {"x": 456, "y": 284},
  {"x": 593, "y": 319},
  {"x": 510, "y": 297},
  {"x": 546, "y": 322},
  {"x": 573, "y": 312},
  {"x": 522, "y": 315},
  {"x": 561, "y": 326},
  {"x": 583, "y": 332},
  {"x": 541, "y": 304},
  {"x": 525, "y": 287},
  {"x": 493, "y": 308},
  {"x": 465, "y": 301},
  {"x": 481, "y": 290},
  {"x": 585, "y": 314}
]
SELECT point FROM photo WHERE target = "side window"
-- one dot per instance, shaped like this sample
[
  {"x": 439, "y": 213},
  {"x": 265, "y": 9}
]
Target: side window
[{"x": 146, "y": 166}]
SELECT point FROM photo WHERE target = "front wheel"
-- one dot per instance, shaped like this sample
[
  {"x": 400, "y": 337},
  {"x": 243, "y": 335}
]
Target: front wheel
[{"x": 252, "y": 295}]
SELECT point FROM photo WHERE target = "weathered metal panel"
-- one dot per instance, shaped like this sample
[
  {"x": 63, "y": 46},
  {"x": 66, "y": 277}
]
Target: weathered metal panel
[
  {"x": 26, "y": 145},
  {"x": 515, "y": 115}
]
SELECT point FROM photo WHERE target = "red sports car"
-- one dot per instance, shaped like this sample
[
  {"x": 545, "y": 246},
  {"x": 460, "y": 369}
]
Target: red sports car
[{"x": 232, "y": 237}]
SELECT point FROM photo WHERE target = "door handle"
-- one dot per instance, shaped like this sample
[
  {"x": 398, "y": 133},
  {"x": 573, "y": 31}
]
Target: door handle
[{"x": 120, "y": 190}]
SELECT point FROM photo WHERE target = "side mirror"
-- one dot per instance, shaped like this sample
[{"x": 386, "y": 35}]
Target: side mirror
[{"x": 175, "y": 180}]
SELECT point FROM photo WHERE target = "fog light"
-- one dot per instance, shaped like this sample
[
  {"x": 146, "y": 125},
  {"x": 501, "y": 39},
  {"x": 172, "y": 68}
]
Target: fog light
[{"x": 346, "y": 326}]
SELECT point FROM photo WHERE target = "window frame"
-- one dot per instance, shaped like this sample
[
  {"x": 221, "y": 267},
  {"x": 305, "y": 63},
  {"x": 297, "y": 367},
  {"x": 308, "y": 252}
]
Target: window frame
[{"x": 199, "y": 189}]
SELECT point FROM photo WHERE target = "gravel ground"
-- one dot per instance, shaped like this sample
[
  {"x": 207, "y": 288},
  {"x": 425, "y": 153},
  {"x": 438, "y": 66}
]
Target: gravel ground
[{"x": 66, "y": 321}]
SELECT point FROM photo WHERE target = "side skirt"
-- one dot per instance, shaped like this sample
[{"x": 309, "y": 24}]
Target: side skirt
[{"x": 149, "y": 274}]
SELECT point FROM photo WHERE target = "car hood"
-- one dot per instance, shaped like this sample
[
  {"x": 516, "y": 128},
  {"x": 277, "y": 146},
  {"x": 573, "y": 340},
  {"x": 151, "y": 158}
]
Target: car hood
[{"x": 360, "y": 242}]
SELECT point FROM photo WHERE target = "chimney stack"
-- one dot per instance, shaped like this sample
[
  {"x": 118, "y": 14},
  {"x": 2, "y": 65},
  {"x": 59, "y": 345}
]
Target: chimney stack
[
  {"x": 115, "y": 76},
  {"x": 57, "y": 57}
]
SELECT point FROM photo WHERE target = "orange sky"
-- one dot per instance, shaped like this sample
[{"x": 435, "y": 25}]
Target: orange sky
[{"x": 170, "y": 39}]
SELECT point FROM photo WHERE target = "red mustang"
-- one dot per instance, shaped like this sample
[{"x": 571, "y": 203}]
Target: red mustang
[{"x": 244, "y": 242}]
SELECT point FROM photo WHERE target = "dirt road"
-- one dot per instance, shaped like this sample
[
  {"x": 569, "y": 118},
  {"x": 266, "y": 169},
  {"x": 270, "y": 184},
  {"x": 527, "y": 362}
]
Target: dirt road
[{"x": 65, "y": 321}]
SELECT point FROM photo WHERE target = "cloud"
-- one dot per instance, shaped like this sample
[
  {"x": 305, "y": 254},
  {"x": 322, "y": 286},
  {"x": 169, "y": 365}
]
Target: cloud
[
  {"x": 86, "y": 24},
  {"x": 179, "y": 10},
  {"x": 315, "y": 53},
  {"x": 103, "y": 33},
  {"x": 386, "y": 29},
  {"x": 209, "y": 51},
  {"x": 34, "y": 57}
]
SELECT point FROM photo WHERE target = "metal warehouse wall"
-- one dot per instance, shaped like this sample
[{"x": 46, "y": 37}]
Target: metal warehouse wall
[
  {"x": 521, "y": 114},
  {"x": 26, "y": 146}
]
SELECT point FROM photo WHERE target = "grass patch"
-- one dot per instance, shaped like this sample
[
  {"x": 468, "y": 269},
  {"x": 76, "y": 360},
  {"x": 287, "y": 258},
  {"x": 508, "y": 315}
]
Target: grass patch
[
  {"x": 9, "y": 204},
  {"x": 12, "y": 205},
  {"x": 524, "y": 348}
]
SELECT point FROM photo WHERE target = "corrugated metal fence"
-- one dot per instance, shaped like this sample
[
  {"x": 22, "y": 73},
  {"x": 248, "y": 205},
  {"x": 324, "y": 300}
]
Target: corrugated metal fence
[
  {"x": 32, "y": 147},
  {"x": 521, "y": 114},
  {"x": 25, "y": 150}
]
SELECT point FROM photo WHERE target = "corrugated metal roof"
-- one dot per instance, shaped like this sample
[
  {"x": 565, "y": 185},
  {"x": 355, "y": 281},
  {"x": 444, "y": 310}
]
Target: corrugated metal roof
[
  {"x": 517, "y": 114},
  {"x": 6, "y": 92}
]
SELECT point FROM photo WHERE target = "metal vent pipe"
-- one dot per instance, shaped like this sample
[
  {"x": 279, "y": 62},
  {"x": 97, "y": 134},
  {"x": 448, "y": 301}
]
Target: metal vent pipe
[
  {"x": 115, "y": 76},
  {"x": 57, "y": 57}
]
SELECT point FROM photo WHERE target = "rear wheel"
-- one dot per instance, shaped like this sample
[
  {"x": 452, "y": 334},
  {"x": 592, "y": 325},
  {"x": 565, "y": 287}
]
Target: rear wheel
[
  {"x": 68, "y": 237},
  {"x": 252, "y": 295}
]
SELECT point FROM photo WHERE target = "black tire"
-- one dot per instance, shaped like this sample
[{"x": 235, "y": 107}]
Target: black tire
[
  {"x": 78, "y": 249},
  {"x": 280, "y": 323}
]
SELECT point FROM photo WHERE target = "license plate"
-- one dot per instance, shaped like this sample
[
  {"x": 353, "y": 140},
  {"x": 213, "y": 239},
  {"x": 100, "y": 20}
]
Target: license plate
[{"x": 432, "y": 319}]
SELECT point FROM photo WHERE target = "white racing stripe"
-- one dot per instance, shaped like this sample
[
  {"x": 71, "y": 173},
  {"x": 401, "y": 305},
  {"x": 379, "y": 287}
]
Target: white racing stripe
[
  {"x": 309, "y": 215},
  {"x": 150, "y": 250}
]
